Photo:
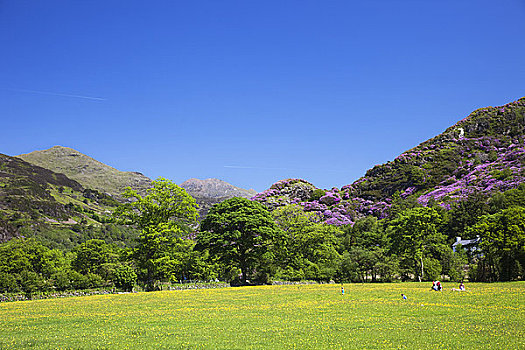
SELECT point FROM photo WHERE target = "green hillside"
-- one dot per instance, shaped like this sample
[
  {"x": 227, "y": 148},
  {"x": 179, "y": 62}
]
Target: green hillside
[
  {"x": 87, "y": 171},
  {"x": 37, "y": 202}
]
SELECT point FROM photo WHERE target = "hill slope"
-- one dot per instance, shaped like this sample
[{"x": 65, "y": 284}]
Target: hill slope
[
  {"x": 482, "y": 153},
  {"x": 91, "y": 173},
  {"x": 38, "y": 202},
  {"x": 87, "y": 171}
]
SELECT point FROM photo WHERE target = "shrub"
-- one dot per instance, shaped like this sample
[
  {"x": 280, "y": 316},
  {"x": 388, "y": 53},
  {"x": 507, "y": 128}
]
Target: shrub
[
  {"x": 8, "y": 283},
  {"x": 125, "y": 277},
  {"x": 317, "y": 194}
]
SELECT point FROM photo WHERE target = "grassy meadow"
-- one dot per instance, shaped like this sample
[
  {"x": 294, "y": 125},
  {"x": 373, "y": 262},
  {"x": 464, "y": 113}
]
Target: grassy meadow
[{"x": 368, "y": 316}]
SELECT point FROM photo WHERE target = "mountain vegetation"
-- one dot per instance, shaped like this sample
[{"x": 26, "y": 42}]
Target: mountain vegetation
[
  {"x": 87, "y": 171},
  {"x": 93, "y": 174},
  {"x": 482, "y": 154},
  {"x": 404, "y": 220},
  {"x": 54, "y": 209}
]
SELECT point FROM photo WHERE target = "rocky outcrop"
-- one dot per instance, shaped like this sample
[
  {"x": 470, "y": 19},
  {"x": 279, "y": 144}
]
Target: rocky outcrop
[
  {"x": 212, "y": 191},
  {"x": 214, "y": 188},
  {"x": 7, "y": 231}
]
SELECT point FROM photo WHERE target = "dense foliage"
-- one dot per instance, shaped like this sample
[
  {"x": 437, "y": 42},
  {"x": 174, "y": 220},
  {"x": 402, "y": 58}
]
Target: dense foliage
[
  {"x": 241, "y": 234},
  {"x": 241, "y": 241}
]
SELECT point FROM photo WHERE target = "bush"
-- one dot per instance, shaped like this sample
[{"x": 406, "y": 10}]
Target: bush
[
  {"x": 8, "y": 283},
  {"x": 31, "y": 282},
  {"x": 78, "y": 280},
  {"x": 61, "y": 280},
  {"x": 317, "y": 194},
  {"x": 94, "y": 280},
  {"x": 125, "y": 277}
]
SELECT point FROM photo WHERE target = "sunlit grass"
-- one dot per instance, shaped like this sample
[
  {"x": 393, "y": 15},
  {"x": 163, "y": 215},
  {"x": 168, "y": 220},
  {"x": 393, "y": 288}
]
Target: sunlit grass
[{"x": 368, "y": 316}]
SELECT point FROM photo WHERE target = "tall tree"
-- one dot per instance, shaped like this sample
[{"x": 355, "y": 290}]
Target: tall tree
[
  {"x": 165, "y": 202},
  {"x": 164, "y": 216},
  {"x": 308, "y": 248},
  {"x": 415, "y": 236},
  {"x": 240, "y": 233},
  {"x": 503, "y": 242}
]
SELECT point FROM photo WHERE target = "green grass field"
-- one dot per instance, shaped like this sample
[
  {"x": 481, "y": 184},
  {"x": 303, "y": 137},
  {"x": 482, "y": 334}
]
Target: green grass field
[{"x": 368, "y": 316}]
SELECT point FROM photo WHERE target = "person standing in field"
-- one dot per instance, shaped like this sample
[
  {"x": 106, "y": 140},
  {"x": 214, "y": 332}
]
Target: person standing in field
[{"x": 342, "y": 290}]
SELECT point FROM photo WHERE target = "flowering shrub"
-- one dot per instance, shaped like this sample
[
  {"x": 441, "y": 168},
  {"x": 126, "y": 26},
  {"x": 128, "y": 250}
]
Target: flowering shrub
[{"x": 487, "y": 155}]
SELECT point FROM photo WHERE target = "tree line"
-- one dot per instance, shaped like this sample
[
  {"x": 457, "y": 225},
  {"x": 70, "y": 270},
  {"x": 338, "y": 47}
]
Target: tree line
[{"x": 241, "y": 242}]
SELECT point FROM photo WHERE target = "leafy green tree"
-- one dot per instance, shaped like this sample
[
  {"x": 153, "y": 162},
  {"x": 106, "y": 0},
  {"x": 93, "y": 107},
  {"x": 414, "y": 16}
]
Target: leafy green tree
[
  {"x": 307, "y": 248},
  {"x": 164, "y": 216},
  {"x": 503, "y": 242},
  {"x": 165, "y": 202},
  {"x": 241, "y": 233},
  {"x": 465, "y": 214},
  {"x": 31, "y": 282},
  {"x": 19, "y": 255},
  {"x": 125, "y": 277},
  {"x": 367, "y": 245},
  {"x": 92, "y": 255},
  {"x": 8, "y": 283},
  {"x": 415, "y": 237},
  {"x": 162, "y": 254}
]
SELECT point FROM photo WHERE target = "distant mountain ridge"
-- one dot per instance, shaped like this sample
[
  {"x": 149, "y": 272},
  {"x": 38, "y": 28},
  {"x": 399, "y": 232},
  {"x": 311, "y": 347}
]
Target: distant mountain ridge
[
  {"x": 483, "y": 153},
  {"x": 215, "y": 188},
  {"x": 88, "y": 171},
  {"x": 212, "y": 191},
  {"x": 101, "y": 177}
]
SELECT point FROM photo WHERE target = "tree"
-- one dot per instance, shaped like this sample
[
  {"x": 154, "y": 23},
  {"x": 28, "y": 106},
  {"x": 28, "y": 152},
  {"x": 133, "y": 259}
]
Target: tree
[
  {"x": 415, "y": 236},
  {"x": 125, "y": 277},
  {"x": 241, "y": 233},
  {"x": 165, "y": 202},
  {"x": 503, "y": 242},
  {"x": 465, "y": 214},
  {"x": 164, "y": 216},
  {"x": 162, "y": 254},
  {"x": 367, "y": 243},
  {"x": 92, "y": 254},
  {"x": 307, "y": 248}
]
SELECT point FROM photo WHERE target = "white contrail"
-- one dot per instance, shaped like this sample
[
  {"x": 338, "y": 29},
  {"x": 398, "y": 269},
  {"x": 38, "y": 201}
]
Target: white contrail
[
  {"x": 254, "y": 167},
  {"x": 290, "y": 169},
  {"x": 59, "y": 94}
]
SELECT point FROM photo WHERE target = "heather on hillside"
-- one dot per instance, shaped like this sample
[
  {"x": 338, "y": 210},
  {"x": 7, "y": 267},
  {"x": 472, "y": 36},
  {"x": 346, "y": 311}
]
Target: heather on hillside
[{"x": 483, "y": 153}]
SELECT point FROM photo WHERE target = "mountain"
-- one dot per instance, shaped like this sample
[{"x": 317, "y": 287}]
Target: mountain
[
  {"x": 212, "y": 191},
  {"x": 215, "y": 188},
  {"x": 53, "y": 208},
  {"x": 87, "y": 171},
  {"x": 93, "y": 174},
  {"x": 482, "y": 154}
]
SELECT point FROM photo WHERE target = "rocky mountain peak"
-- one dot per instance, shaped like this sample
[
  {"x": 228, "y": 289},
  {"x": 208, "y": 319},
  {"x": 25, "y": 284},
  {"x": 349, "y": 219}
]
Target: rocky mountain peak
[{"x": 214, "y": 188}]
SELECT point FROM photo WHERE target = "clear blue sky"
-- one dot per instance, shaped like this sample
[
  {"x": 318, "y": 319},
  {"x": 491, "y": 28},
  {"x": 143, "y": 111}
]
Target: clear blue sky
[{"x": 251, "y": 92}]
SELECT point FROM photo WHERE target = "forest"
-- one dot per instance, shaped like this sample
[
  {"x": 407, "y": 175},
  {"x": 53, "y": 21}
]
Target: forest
[{"x": 241, "y": 242}]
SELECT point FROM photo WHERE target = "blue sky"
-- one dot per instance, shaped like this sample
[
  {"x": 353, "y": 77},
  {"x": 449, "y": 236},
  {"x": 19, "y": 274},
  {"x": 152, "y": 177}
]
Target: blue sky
[{"x": 251, "y": 92}]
